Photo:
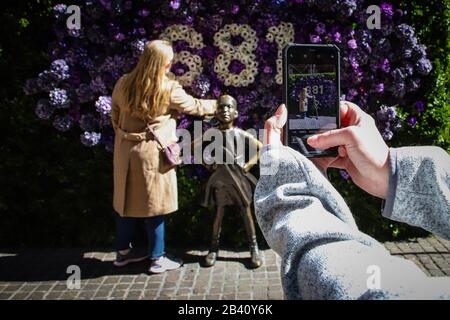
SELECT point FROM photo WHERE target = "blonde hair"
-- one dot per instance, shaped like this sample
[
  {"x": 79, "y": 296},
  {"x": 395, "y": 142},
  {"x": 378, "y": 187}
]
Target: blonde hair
[{"x": 146, "y": 87}]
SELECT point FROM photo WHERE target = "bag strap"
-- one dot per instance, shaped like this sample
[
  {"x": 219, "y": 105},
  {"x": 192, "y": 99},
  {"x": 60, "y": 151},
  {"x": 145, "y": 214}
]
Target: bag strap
[{"x": 152, "y": 131}]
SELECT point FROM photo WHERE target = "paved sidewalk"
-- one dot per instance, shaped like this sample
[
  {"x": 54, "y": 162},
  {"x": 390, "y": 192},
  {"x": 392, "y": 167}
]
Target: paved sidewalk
[{"x": 42, "y": 274}]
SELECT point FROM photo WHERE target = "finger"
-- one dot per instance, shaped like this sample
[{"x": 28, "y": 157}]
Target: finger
[
  {"x": 281, "y": 116},
  {"x": 350, "y": 113},
  {"x": 333, "y": 138},
  {"x": 342, "y": 151},
  {"x": 273, "y": 127}
]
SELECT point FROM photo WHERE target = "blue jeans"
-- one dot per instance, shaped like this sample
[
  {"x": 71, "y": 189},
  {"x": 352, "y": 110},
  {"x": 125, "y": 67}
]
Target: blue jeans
[{"x": 154, "y": 226}]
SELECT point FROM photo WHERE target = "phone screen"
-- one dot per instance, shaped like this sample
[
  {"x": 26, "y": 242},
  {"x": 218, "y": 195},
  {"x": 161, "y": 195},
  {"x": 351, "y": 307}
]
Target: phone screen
[{"x": 311, "y": 94}]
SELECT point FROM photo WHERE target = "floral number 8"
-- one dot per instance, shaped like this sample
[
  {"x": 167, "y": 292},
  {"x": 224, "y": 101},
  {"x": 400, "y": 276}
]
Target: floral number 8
[{"x": 242, "y": 52}]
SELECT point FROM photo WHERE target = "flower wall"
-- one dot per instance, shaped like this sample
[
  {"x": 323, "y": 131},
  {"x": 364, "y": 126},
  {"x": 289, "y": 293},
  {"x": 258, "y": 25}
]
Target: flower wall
[{"x": 229, "y": 47}]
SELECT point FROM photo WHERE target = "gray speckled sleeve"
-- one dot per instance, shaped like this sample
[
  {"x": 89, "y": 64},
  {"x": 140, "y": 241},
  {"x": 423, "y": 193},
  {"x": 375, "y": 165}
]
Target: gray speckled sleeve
[
  {"x": 419, "y": 188},
  {"x": 324, "y": 255}
]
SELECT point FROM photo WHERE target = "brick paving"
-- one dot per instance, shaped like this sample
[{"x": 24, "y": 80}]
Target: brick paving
[{"x": 42, "y": 274}]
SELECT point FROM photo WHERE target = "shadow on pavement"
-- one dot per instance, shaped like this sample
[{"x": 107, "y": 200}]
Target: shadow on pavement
[{"x": 29, "y": 265}]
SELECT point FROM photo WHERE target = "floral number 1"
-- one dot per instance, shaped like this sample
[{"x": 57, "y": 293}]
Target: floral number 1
[{"x": 282, "y": 35}]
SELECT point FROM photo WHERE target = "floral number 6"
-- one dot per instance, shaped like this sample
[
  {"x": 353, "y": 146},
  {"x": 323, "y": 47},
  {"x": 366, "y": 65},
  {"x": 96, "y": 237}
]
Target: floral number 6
[{"x": 195, "y": 40}]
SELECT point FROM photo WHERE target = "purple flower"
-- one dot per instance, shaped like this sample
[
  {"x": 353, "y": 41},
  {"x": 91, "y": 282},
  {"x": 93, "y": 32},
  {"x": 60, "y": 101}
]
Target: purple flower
[
  {"x": 119, "y": 37},
  {"x": 84, "y": 93},
  {"x": 387, "y": 9},
  {"x": 418, "y": 52},
  {"x": 62, "y": 123},
  {"x": 379, "y": 88},
  {"x": 236, "y": 66},
  {"x": 103, "y": 105},
  {"x": 144, "y": 12},
  {"x": 337, "y": 37},
  {"x": 46, "y": 81},
  {"x": 398, "y": 89},
  {"x": 423, "y": 66},
  {"x": 43, "y": 109},
  {"x": 412, "y": 84},
  {"x": 352, "y": 44},
  {"x": 387, "y": 134},
  {"x": 278, "y": 2},
  {"x": 128, "y": 5},
  {"x": 217, "y": 92},
  {"x": 420, "y": 106},
  {"x": 90, "y": 139},
  {"x": 385, "y": 66},
  {"x": 106, "y": 4},
  {"x": 59, "y": 98},
  {"x": 404, "y": 31},
  {"x": 184, "y": 123},
  {"x": 59, "y": 11},
  {"x": 138, "y": 47},
  {"x": 386, "y": 114},
  {"x": 201, "y": 85},
  {"x": 209, "y": 53},
  {"x": 179, "y": 69},
  {"x": 320, "y": 28},
  {"x": 236, "y": 40},
  {"x": 313, "y": 38},
  {"x": 98, "y": 86},
  {"x": 397, "y": 74},
  {"x": 384, "y": 45},
  {"x": 235, "y": 9},
  {"x": 175, "y": 4},
  {"x": 31, "y": 87},
  {"x": 412, "y": 120},
  {"x": 60, "y": 69},
  {"x": 344, "y": 174},
  {"x": 87, "y": 122},
  {"x": 351, "y": 94},
  {"x": 267, "y": 69}
]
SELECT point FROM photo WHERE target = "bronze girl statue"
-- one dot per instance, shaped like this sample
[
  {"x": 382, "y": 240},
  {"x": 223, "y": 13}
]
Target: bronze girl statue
[{"x": 232, "y": 183}]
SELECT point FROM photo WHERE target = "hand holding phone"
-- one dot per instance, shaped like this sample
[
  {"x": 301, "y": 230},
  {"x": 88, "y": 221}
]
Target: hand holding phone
[{"x": 311, "y": 91}]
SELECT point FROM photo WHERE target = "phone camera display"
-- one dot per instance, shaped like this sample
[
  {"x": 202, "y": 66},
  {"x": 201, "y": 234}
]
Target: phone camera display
[{"x": 312, "y": 98}]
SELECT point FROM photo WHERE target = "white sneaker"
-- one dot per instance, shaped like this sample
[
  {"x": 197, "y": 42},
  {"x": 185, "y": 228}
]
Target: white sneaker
[{"x": 164, "y": 264}]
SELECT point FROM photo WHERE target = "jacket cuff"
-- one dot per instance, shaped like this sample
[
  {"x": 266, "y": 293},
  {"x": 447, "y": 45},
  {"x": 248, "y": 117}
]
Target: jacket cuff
[{"x": 390, "y": 198}]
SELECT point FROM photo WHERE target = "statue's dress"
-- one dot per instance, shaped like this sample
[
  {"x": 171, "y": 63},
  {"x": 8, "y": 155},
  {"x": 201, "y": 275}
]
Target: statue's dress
[{"x": 229, "y": 184}]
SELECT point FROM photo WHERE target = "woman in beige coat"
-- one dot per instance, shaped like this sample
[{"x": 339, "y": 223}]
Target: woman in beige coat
[{"x": 145, "y": 187}]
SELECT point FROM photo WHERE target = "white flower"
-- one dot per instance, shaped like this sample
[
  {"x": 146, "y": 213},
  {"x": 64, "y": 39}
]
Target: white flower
[
  {"x": 182, "y": 32},
  {"x": 178, "y": 32},
  {"x": 282, "y": 35},
  {"x": 244, "y": 52}
]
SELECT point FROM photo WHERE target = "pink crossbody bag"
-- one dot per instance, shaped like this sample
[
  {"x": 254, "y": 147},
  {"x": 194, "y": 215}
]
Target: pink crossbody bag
[{"x": 171, "y": 153}]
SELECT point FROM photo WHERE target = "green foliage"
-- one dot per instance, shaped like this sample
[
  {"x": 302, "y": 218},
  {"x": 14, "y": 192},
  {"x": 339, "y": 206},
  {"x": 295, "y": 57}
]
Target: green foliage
[{"x": 431, "y": 20}]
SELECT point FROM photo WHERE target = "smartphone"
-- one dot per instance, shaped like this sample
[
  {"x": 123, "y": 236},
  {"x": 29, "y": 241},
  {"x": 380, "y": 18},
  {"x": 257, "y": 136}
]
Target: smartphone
[{"x": 311, "y": 91}]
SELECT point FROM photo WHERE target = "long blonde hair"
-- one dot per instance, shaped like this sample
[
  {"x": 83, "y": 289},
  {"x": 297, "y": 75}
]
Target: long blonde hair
[{"x": 146, "y": 87}]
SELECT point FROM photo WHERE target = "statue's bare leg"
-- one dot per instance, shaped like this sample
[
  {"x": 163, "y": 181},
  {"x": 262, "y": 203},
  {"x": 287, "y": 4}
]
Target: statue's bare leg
[
  {"x": 246, "y": 213},
  {"x": 211, "y": 257}
]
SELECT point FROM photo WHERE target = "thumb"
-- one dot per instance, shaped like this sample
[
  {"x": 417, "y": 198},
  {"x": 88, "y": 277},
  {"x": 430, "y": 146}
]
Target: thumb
[{"x": 332, "y": 138}]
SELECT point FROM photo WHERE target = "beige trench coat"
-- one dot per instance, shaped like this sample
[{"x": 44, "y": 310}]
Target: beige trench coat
[{"x": 144, "y": 186}]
